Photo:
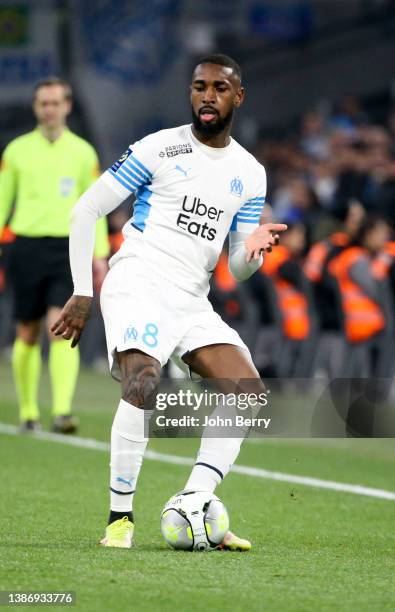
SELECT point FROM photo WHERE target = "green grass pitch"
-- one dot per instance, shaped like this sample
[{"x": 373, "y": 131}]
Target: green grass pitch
[{"x": 313, "y": 549}]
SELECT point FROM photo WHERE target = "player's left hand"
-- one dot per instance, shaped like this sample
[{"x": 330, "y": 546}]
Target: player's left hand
[
  {"x": 263, "y": 239},
  {"x": 72, "y": 319}
]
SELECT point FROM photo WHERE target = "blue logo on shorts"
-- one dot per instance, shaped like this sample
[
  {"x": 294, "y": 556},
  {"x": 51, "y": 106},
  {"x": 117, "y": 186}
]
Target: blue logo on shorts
[
  {"x": 130, "y": 334},
  {"x": 236, "y": 186}
]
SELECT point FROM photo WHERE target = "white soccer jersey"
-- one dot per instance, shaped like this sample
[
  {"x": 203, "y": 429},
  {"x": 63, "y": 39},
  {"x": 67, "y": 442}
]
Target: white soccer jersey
[{"x": 188, "y": 197}]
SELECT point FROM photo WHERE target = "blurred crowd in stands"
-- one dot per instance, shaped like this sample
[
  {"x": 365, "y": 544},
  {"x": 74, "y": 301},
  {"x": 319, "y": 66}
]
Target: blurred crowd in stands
[
  {"x": 323, "y": 301},
  {"x": 333, "y": 160},
  {"x": 322, "y": 304}
]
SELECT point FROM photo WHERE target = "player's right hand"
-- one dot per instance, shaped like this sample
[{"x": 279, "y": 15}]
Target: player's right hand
[
  {"x": 72, "y": 319},
  {"x": 263, "y": 238}
]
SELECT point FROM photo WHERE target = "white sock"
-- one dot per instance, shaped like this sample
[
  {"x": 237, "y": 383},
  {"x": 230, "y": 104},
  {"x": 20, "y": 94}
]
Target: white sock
[
  {"x": 215, "y": 458},
  {"x": 128, "y": 444},
  {"x": 216, "y": 455}
]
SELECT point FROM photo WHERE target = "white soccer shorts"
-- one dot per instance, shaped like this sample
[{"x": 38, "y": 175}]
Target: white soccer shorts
[{"x": 145, "y": 312}]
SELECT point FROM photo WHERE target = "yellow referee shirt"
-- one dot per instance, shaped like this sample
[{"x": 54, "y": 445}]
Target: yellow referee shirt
[{"x": 45, "y": 179}]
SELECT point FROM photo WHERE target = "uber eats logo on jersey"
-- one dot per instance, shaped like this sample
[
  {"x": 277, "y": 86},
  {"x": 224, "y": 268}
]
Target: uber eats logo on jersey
[{"x": 205, "y": 212}]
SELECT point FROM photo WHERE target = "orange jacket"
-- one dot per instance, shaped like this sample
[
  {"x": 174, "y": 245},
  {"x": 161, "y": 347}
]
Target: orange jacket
[
  {"x": 363, "y": 318},
  {"x": 116, "y": 241},
  {"x": 292, "y": 302},
  {"x": 223, "y": 278},
  {"x": 316, "y": 257},
  {"x": 226, "y": 283},
  {"x": 7, "y": 236}
]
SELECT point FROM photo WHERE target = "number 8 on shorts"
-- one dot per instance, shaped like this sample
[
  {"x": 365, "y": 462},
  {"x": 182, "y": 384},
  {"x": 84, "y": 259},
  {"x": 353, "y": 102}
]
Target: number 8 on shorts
[{"x": 150, "y": 335}]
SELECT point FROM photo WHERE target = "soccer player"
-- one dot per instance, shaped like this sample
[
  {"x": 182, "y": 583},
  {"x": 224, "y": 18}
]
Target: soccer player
[
  {"x": 43, "y": 173},
  {"x": 194, "y": 184}
]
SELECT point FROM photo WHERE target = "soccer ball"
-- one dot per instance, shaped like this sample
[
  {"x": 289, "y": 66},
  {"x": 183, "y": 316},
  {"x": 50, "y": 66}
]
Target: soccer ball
[{"x": 194, "y": 520}]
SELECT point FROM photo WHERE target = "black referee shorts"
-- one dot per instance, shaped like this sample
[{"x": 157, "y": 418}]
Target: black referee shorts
[{"x": 38, "y": 272}]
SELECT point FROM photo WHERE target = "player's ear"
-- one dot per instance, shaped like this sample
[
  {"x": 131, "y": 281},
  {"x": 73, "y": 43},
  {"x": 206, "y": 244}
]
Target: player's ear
[{"x": 239, "y": 97}]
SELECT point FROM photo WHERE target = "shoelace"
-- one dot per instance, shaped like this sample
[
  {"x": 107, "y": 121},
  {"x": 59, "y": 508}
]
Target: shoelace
[{"x": 120, "y": 527}]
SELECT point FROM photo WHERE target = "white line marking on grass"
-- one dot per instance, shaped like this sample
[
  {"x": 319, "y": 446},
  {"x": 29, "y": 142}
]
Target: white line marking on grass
[{"x": 238, "y": 469}]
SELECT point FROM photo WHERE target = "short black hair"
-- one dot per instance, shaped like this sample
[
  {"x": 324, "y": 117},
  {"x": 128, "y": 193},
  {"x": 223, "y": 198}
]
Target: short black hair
[
  {"x": 221, "y": 60},
  {"x": 54, "y": 80}
]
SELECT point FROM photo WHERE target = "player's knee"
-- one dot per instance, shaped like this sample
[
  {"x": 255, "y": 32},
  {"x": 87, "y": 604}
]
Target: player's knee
[
  {"x": 28, "y": 332},
  {"x": 139, "y": 386}
]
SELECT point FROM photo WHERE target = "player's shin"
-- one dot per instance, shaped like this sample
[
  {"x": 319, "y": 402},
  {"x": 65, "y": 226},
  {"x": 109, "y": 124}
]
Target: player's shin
[
  {"x": 218, "y": 451},
  {"x": 26, "y": 365},
  {"x": 128, "y": 444},
  {"x": 63, "y": 363},
  {"x": 215, "y": 458}
]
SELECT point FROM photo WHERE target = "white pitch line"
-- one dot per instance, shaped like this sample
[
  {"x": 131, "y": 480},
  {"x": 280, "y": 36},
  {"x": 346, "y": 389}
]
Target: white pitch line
[{"x": 238, "y": 469}]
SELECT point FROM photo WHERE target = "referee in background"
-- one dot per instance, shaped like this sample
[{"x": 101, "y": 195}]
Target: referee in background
[{"x": 43, "y": 174}]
